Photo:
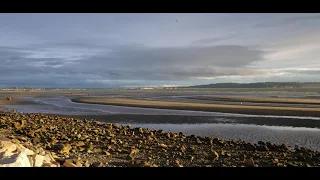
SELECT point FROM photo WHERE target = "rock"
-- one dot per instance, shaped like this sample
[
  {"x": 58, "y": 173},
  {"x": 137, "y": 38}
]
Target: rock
[
  {"x": 183, "y": 149},
  {"x": 66, "y": 148},
  {"x": 50, "y": 165},
  {"x": 174, "y": 135},
  {"x": 90, "y": 147},
  {"x": 285, "y": 147},
  {"x": 21, "y": 138},
  {"x": 69, "y": 164},
  {"x": 134, "y": 152},
  {"x": 198, "y": 141},
  {"x": 87, "y": 164},
  {"x": 36, "y": 140},
  {"x": 19, "y": 125},
  {"x": 97, "y": 164},
  {"x": 7, "y": 148},
  {"x": 178, "y": 163},
  {"x": 275, "y": 161},
  {"x": 107, "y": 153},
  {"x": 215, "y": 156},
  {"x": 308, "y": 165},
  {"x": 261, "y": 143},
  {"x": 149, "y": 164},
  {"x": 249, "y": 162},
  {"x": 264, "y": 148},
  {"x": 291, "y": 165},
  {"x": 97, "y": 150},
  {"x": 141, "y": 130},
  {"x": 149, "y": 138},
  {"x": 12, "y": 155},
  {"x": 281, "y": 165},
  {"x": 96, "y": 131},
  {"x": 80, "y": 144},
  {"x": 38, "y": 160},
  {"x": 191, "y": 158},
  {"x": 163, "y": 145},
  {"x": 48, "y": 158},
  {"x": 78, "y": 164},
  {"x": 24, "y": 150}
]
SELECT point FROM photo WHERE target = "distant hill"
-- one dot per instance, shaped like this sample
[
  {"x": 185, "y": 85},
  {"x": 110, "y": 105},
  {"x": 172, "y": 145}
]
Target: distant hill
[{"x": 261, "y": 85}]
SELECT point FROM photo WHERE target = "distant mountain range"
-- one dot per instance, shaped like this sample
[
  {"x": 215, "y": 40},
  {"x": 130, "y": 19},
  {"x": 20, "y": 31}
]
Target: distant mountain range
[{"x": 261, "y": 85}]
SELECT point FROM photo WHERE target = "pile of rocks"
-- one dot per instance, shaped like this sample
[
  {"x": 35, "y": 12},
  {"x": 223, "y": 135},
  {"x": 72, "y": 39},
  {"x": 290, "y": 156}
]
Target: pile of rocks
[{"x": 69, "y": 142}]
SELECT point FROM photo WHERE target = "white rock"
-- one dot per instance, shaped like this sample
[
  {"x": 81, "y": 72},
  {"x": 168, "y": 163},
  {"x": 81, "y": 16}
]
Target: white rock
[
  {"x": 27, "y": 151},
  {"x": 38, "y": 160},
  {"x": 48, "y": 158},
  {"x": 7, "y": 148},
  {"x": 50, "y": 165},
  {"x": 17, "y": 160},
  {"x": 16, "y": 155},
  {"x": 11, "y": 155}
]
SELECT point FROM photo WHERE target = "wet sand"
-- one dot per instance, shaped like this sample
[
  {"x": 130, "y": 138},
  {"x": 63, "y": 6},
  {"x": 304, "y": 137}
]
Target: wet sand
[
  {"x": 260, "y": 100},
  {"x": 241, "y": 109}
]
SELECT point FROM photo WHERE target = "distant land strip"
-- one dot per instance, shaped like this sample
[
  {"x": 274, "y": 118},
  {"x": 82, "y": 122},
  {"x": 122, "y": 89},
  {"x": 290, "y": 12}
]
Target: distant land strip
[{"x": 240, "y": 109}]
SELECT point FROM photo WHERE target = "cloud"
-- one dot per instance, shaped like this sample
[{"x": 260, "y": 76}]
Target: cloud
[
  {"x": 128, "y": 63},
  {"x": 213, "y": 40},
  {"x": 282, "y": 20},
  {"x": 104, "y": 50}
]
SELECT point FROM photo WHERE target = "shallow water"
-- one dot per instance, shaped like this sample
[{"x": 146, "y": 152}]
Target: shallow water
[
  {"x": 63, "y": 105},
  {"x": 220, "y": 126},
  {"x": 306, "y": 137}
]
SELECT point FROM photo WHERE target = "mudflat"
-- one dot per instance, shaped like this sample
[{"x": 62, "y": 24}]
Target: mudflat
[
  {"x": 242, "y": 109},
  {"x": 260, "y": 100}
]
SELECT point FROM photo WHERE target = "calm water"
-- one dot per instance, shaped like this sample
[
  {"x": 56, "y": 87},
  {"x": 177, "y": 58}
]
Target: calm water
[{"x": 307, "y": 137}]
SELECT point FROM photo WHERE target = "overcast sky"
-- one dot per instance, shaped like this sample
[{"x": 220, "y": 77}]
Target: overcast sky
[{"x": 117, "y": 50}]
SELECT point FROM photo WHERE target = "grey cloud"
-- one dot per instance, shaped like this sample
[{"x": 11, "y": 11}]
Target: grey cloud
[
  {"x": 304, "y": 71},
  {"x": 225, "y": 56},
  {"x": 129, "y": 63},
  {"x": 213, "y": 40},
  {"x": 288, "y": 21},
  {"x": 169, "y": 63}
]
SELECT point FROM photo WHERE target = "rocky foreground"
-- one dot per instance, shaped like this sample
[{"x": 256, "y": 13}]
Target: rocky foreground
[{"x": 65, "y": 141}]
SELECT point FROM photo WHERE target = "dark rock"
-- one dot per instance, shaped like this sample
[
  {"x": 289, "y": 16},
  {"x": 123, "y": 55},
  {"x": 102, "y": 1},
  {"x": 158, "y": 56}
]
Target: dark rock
[
  {"x": 261, "y": 143},
  {"x": 215, "y": 156},
  {"x": 285, "y": 147},
  {"x": 97, "y": 164},
  {"x": 249, "y": 162}
]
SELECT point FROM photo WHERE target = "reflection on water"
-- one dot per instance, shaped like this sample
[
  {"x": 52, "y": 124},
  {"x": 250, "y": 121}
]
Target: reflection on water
[{"x": 306, "y": 137}]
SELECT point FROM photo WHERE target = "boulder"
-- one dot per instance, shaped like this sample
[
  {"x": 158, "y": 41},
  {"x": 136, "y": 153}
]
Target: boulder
[
  {"x": 16, "y": 155},
  {"x": 11, "y": 155}
]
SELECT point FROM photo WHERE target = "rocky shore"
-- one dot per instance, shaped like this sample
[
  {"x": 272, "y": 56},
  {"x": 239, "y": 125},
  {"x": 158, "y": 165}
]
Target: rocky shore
[{"x": 74, "y": 142}]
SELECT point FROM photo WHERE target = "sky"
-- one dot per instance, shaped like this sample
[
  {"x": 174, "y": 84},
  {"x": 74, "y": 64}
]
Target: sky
[{"x": 139, "y": 49}]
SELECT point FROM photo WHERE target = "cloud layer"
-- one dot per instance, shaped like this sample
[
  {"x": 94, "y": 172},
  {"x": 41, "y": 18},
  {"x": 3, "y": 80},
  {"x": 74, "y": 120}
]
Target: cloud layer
[{"x": 113, "y": 50}]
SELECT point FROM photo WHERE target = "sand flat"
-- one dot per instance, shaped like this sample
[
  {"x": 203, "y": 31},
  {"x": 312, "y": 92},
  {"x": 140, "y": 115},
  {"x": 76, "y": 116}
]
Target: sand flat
[{"x": 263, "y": 110}]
